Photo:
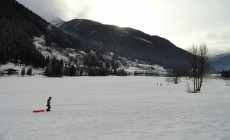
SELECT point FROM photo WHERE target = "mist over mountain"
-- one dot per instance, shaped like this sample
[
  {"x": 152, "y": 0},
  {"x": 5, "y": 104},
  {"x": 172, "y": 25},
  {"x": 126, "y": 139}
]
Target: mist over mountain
[
  {"x": 221, "y": 62},
  {"x": 126, "y": 42}
]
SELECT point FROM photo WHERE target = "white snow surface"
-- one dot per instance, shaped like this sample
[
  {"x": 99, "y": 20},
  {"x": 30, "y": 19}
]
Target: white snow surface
[
  {"x": 46, "y": 51},
  {"x": 112, "y": 108},
  {"x": 143, "y": 40}
]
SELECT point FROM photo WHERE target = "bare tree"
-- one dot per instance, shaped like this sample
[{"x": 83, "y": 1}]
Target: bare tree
[
  {"x": 198, "y": 65},
  {"x": 174, "y": 76}
]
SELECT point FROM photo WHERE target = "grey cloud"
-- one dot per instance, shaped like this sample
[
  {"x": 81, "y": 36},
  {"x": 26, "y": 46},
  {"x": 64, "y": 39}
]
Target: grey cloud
[
  {"x": 219, "y": 35},
  {"x": 58, "y": 8},
  {"x": 84, "y": 12}
]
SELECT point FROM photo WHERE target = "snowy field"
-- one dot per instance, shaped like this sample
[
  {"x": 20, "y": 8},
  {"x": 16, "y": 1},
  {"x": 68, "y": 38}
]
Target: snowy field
[{"x": 112, "y": 108}]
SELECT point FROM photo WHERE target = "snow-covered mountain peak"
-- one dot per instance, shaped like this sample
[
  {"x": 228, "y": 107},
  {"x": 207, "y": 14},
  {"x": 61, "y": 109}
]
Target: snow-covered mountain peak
[{"x": 56, "y": 21}]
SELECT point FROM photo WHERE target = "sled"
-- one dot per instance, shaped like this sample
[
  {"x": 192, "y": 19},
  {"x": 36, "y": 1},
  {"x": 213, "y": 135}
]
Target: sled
[{"x": 39, "y": 110}]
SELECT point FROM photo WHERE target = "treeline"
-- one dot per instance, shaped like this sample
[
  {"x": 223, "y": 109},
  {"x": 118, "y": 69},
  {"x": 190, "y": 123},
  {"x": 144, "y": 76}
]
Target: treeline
[
  {"x": 149, "y": 73},
  {"x": 57, "y": 68},
  {"x": 225, "y": 74}
]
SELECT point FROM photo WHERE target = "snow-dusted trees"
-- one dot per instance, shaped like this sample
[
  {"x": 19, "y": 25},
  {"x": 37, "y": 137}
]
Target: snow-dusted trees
[{"x": 198, "y": 65}]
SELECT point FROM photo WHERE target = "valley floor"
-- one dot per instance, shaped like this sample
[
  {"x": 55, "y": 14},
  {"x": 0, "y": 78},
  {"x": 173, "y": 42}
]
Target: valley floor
[{"x": 112, "y": 108}]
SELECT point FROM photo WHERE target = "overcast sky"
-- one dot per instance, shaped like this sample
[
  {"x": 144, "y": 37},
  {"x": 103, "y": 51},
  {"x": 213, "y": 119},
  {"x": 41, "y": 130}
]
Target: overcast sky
[{"x": 183, "y": 22}]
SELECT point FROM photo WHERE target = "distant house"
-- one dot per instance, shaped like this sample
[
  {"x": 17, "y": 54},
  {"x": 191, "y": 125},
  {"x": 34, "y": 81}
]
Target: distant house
[{"x": 11, "y": 71}]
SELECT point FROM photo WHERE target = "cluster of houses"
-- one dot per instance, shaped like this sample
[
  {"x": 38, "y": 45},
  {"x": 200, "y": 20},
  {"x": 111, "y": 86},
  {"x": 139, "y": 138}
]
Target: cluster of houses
[{"x": 9, "y": 71}]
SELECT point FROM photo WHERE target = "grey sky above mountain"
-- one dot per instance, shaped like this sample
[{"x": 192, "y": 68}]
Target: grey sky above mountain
[{"x": 183, "y": 22}]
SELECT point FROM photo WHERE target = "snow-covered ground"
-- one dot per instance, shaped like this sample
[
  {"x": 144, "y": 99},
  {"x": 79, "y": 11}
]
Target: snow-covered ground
[
  {"x": 46, "y": 51},
  {"x": 112, "y": 108}
]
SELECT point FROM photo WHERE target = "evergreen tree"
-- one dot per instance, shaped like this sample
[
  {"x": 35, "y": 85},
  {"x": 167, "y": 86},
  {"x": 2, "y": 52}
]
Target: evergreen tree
[
  {"x": 72, "y": 71},
  {"x": 226, "y": 74},
  {"x": 115, "y": 72},
  {"x": 23, "y": 72},
  {"x": 54, "y": 68},
  {"x": 48, "y": 71},
  {"x": 29, "y": 71}
]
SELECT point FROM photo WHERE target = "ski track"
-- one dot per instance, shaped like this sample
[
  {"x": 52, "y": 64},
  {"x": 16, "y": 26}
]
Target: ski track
[{"x": 112, "y": 108}]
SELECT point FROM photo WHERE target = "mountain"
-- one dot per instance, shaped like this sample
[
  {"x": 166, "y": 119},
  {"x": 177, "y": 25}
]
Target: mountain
[
  {"x": 81, "y": 47},
  {"x": 221, "y": 62},
  {"x": 126, "y": 42},
  {"x": 26, "y": 39},
  {"x": 56, "y": 21},
  {"x": 19, "y": 26}
]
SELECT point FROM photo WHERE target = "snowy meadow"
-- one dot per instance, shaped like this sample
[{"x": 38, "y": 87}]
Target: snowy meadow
[{"x": 113, "y": 108}]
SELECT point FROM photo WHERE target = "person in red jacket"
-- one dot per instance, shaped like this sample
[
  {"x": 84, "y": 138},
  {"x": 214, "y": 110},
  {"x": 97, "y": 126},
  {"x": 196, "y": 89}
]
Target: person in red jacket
[{"x": 48, "y": 104}]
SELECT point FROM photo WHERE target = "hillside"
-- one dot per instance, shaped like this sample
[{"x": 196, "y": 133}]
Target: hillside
[
  {"x": 126, "y": 42},
  {"x": 18, "y": 27}
]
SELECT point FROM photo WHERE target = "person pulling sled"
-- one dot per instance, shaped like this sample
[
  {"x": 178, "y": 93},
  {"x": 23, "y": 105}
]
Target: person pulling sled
[{"x": 48, "y": 104}]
